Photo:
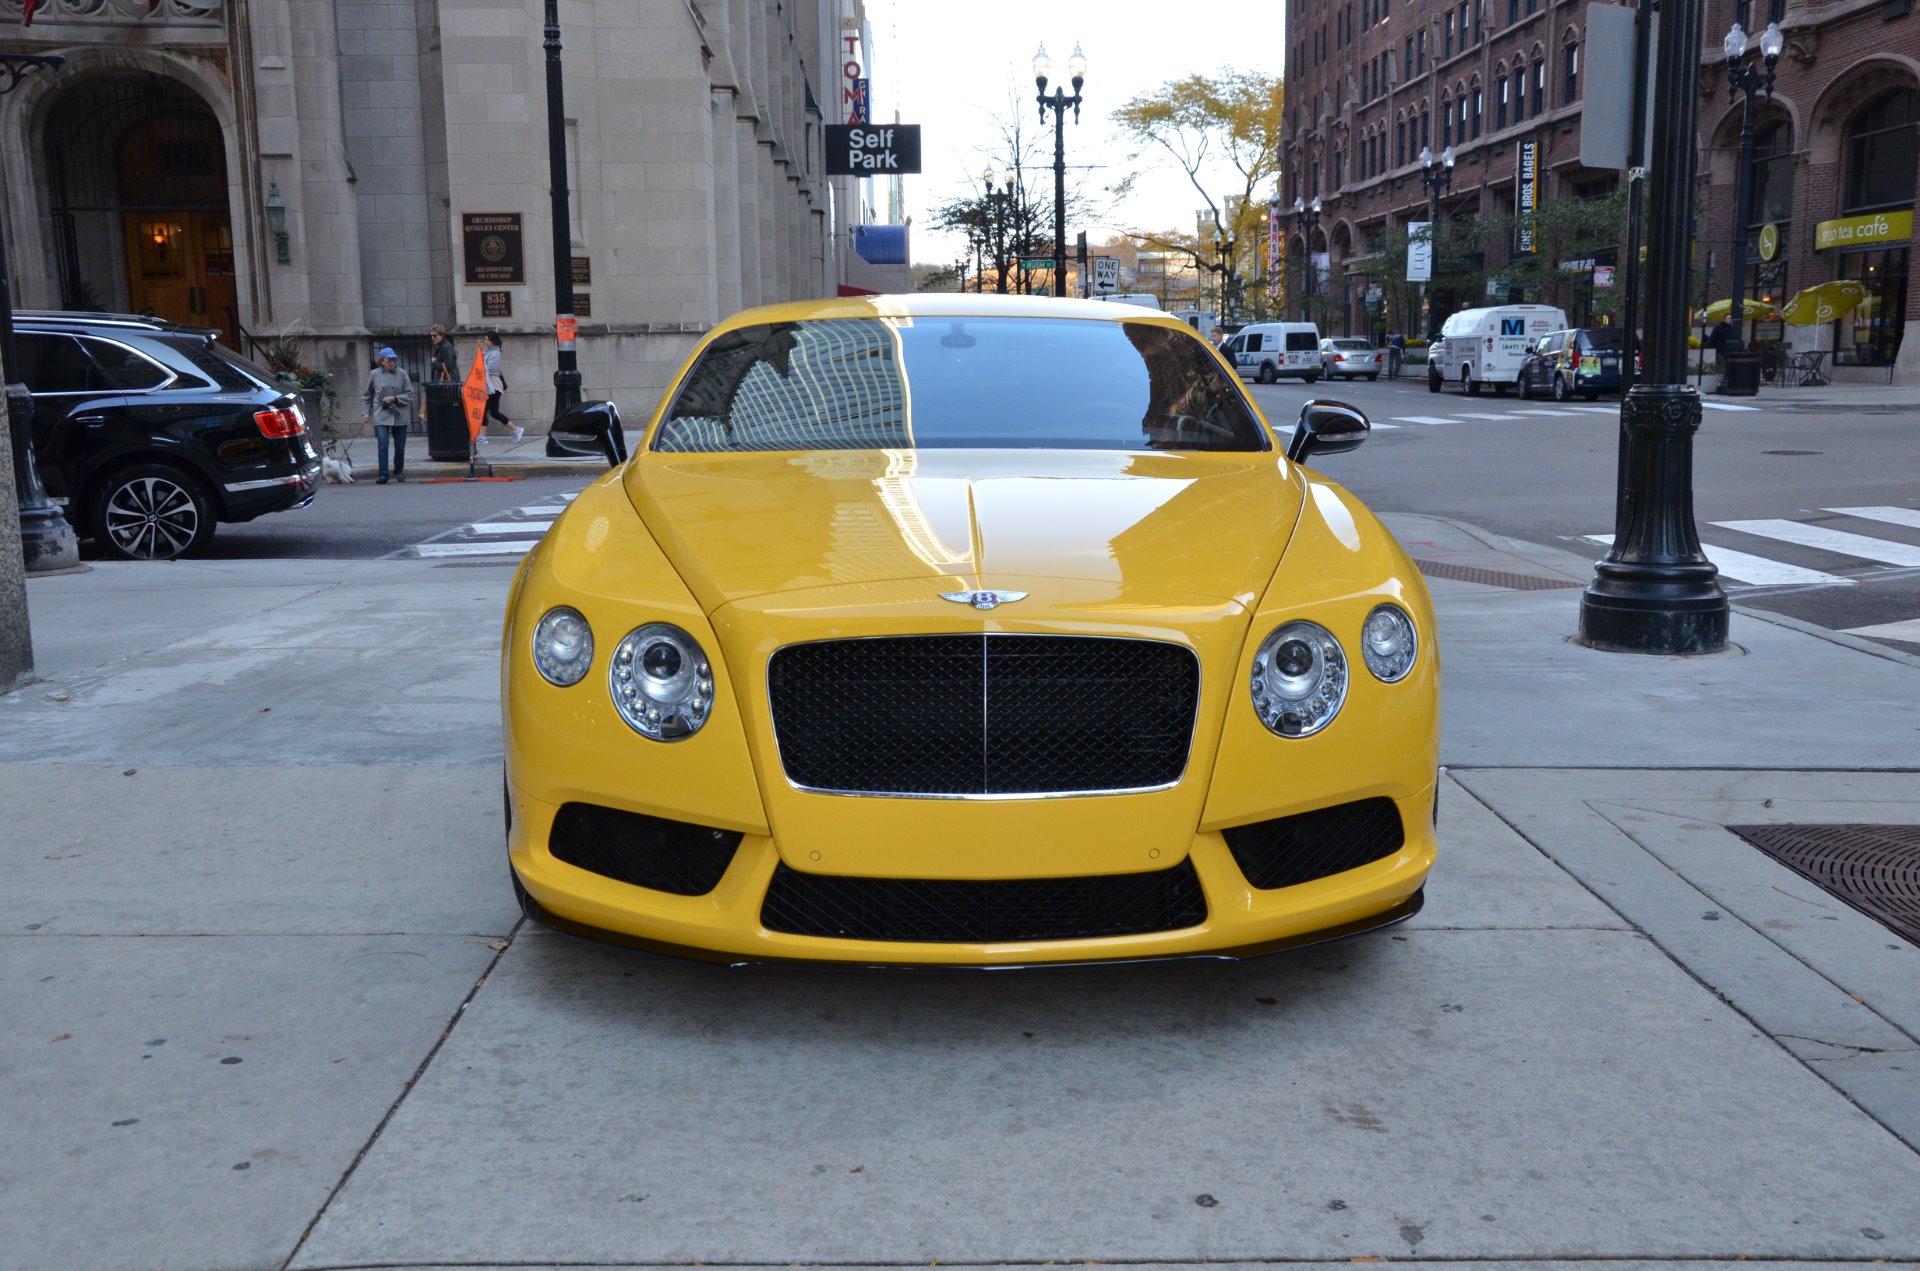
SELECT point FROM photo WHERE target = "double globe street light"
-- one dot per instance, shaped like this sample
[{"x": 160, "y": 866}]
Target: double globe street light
[
  {"x": 1307, "y": 215},
  {"x": 1742, "y": 376},
  {"x": 1077, "y": 72},
  {"x": 1437, "y": 178}
]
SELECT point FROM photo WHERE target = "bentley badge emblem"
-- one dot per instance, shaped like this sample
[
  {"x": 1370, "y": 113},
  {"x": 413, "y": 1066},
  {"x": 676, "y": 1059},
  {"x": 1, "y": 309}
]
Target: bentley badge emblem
[{"x": 983, "y": 599}]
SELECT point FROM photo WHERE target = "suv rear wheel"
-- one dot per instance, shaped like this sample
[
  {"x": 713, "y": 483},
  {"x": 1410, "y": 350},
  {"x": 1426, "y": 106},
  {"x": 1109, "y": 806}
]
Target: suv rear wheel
[
  {"x": 1467, "y": 382},
  {"x": 1561, "y": 393},
  {"x": 1266, "y": 373},
  {"x": 151, "y": 511}
]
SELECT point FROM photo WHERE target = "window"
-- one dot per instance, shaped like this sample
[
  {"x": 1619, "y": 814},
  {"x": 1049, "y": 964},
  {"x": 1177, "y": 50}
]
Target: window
[
  {"x": 1420, "y": 49},
  {"x": 1366, "y": 82},
  {"x": 1500, "y": 105},
  {"x": 1869, "y": 334},
  {"x": 843, "y": 384},
  {"x": 1772, "y": 173},
  {"x": 1883, "y": 144},
  {"x": 1479, "y": 99},
  {"x": 1513, "y": 11},
  {"x": 1533, "y": 7},
  {"x": 1339, "y": 168},
  {"x": 1446, "y": 123},
  {"x": 1400, "y": 143},
  {"x": 55, "y": 364},
  {"x": 1539, "y": 87},
  {"x": 1406, "y": 69},
  {"x": 123, "y": 368},
  {"x": 1519, "y": 94},
  {"x": 1447, "y": 46},
  {"x": 1466, "y": 28},
  {"x": 1425, "y": 139},
  {"x": 1570, "y": 75}
]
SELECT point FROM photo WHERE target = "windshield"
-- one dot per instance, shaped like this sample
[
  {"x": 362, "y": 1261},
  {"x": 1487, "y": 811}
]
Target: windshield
[
  {"x": 950, "y": 382},
  {"x": 1351, "y": 344}
]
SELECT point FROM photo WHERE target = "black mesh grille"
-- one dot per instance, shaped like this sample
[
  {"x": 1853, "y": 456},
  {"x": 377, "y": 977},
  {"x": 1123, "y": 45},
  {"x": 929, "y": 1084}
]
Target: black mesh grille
[
  {"x": 646, "y": 851},
  {"x": 987, "y": 912},
  {"x": 1299, "y": 849},
  {"x": 983, "y": 714}
]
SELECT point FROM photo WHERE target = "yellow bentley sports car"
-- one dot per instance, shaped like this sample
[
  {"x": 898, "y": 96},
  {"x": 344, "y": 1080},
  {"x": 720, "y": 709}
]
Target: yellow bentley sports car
[{"x": 950, "y": 630}]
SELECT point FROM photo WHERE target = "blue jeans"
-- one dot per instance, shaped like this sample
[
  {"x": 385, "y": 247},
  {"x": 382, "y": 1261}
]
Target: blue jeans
[{"x": 398, "y": 435}]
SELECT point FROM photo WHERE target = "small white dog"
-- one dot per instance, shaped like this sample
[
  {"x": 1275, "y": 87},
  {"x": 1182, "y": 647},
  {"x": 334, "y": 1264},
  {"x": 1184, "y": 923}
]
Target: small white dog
[{"x": 335, "y": 466}]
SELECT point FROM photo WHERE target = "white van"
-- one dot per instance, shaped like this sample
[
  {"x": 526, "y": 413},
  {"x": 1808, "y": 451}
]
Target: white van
[
  {"x": 1265, "y": 351},
  {"x": 1486, "y": 346}
]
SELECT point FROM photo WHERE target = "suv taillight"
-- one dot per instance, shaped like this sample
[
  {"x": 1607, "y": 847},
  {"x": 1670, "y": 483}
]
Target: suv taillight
[{"x": 282, "y": 421}]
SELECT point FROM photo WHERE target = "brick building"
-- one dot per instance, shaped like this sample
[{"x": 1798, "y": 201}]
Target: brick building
[
  {"x": 1370, "y": 82},
  {"x": 1836, "y": 151}
]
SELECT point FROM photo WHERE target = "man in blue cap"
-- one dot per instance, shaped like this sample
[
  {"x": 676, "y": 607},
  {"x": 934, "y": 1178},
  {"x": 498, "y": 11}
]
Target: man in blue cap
[{"x": 388, "y": 402}]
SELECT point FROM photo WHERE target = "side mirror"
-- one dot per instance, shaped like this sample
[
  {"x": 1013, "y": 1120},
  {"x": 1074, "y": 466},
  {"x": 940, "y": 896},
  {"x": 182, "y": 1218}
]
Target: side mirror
[
  {"x": 588, "y": 428},
  {"x": 1327, "y": 428}
]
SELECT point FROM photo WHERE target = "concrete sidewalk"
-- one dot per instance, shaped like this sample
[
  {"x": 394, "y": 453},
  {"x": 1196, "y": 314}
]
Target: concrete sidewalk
[{"x": 269, "y": 1002}]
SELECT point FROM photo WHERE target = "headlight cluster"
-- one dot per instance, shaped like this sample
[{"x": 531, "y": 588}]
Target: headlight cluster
[
  {"x": 1300, "y": 671},
  {"x": 660, "y": 679}
]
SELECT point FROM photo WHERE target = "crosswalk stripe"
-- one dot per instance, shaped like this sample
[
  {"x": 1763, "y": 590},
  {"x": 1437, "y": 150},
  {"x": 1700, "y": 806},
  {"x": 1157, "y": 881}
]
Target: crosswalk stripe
[
  {"x": 1908, "y": 630},
  {"x": 1756, "y": 571},
  {"x": 535, "y": 528},
  {"x": 1423, "y": 419},
  {"x": 1467, "y": 414},
  {"x": 539, "y": 509},
  {"x": 1526, "y": 411},
  {"x": 1706, "y": 405},
  {"x": 1892, "y": 516},
  {"x": 476, "y": 549},
  {"x": 1874, "y": 549},
  {"x": 1598, "y": 410}
]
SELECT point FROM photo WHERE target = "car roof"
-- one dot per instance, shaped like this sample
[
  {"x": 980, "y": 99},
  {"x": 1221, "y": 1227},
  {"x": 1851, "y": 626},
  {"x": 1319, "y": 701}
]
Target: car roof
[
  {"x": 117, "y": 321},
  {"x": 950, "y": 304}
]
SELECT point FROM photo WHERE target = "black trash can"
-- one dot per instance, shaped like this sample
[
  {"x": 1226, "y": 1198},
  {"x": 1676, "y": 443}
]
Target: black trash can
[
  {"x": 1740, "y": 373},
  {"x": 447, "y": 438}
]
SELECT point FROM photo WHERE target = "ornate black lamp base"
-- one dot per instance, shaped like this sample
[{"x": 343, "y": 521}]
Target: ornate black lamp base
[
  {"x": 1656, "y": 592},
  {"x": 47, "y": 542}
]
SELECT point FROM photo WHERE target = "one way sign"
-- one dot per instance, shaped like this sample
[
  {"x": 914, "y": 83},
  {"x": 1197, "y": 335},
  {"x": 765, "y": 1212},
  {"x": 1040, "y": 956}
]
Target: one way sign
[{"x": 865, "y": 150}]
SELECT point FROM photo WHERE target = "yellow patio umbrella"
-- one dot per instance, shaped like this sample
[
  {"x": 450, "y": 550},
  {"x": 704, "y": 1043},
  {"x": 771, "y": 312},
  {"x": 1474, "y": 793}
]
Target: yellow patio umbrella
[
  {"x": 1825, "y": 302},
  {"x": 1721, "y": 308}
]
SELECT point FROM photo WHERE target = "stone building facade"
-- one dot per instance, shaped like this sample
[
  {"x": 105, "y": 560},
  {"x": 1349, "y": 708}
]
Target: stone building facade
[
  {"x": 363, "y": 168},
  {"x": 1370, "y": 82}
]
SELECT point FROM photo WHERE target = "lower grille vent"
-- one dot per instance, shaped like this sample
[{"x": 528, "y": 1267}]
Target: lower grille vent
[
  {"x": 647, "y": 851},
  {"x": 1298, "y": 849},
  {"x": 945, "y": 911}
]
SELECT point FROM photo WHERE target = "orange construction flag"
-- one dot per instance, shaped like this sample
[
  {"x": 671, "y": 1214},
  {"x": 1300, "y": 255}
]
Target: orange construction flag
[{"x": 474, "y": 393}]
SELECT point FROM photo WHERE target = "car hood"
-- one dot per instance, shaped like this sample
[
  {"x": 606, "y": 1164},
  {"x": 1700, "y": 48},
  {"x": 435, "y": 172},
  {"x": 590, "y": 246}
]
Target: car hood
[{"x": 1135, "y": 526}]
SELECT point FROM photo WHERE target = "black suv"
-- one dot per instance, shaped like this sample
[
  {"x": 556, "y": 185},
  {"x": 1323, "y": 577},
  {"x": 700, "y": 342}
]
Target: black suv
[
  {"x": 152, "y": 432},
  {"x": 1583, "y": 360}
]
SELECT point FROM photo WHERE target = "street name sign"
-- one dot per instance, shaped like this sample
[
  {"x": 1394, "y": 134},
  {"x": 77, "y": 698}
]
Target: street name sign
[{"x": 869, "y": 150}]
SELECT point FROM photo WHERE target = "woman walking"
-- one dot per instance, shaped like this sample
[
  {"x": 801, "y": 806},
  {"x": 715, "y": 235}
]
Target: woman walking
[
  {"x": 496, "y": 385},
  {"x": 387, "y": 404}
]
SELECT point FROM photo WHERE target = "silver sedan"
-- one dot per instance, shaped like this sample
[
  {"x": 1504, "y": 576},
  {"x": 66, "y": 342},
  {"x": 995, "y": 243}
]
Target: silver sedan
[{"x": 1349, "y": 357}]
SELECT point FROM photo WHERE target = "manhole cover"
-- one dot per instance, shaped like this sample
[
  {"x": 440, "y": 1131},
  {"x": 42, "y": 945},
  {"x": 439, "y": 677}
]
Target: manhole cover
[
  {"x": 1491, "y": 577},
  {"x": 1793, "y": 452},
  {"x": 1874, "y": 868}
]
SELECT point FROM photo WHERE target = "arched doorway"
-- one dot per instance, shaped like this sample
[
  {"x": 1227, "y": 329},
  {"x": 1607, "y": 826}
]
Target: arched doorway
[{"x": 137, "y": 193}]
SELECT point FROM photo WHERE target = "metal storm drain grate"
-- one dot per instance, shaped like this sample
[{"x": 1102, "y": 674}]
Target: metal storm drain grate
[
  {"x": 1874, "y": 868},
  {"x": 1491, "y": 577}
]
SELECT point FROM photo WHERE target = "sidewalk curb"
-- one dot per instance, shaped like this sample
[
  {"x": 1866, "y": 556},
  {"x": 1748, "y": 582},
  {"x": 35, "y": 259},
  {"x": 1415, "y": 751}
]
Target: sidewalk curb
[{"x": 1858, "y": 644}]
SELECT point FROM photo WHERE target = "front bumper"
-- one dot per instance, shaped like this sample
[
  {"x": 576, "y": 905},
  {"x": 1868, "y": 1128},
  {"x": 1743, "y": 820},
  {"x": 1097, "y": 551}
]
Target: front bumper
[{"x": 727, "y": 923}]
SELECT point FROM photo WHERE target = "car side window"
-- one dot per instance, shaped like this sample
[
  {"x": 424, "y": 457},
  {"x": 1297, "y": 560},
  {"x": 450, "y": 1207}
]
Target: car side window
[
  {"x": 1253, "y": 341},
  {"x": 1300, "y": 342},
  {"x": 124, "y": 369},
  {"x": 54, "y": 364}
]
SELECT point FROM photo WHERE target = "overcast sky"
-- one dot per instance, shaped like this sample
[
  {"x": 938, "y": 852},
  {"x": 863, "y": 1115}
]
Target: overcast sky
[{"x": 957, "y": 70}]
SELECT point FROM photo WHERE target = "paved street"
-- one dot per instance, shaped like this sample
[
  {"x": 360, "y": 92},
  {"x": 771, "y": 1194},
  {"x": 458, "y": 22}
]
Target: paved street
[{"x": 271, "y": 1003}]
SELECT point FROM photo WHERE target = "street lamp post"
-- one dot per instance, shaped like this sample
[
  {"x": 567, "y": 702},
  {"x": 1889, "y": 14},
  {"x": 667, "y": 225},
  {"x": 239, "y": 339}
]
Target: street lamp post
[
  {"x": 1744, "y": 77},
  {"x": 1656, "y": 592},
  {"x": 1223, "y": 246},
  {"x": 47, "y": 542},
  {"x": 999, "y": 210},
  {"x": 566, "y": 375},
  {"x": 1077, "y": 70},
  {"x": 1308, "y": 217},
  {"x": 1437, "y": 177}
]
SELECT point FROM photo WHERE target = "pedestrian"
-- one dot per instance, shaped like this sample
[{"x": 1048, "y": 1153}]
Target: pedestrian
[
  {"x": 441, "y": 367},
  {"x": 388, "y": 402},
  {"x": 1219, "y": 336},
  {"x": 1717, "y": 341},
  {"x": 496, "y": 385},
  {"x": 1396, "y": 352}
]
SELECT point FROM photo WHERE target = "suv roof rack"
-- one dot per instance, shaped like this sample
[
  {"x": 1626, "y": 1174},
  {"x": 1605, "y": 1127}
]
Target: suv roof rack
[{"x": 135, "y": 321}]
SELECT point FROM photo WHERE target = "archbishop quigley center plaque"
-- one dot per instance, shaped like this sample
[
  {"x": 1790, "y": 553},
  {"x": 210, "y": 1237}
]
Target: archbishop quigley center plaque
[{"x": 493, "y": 248}]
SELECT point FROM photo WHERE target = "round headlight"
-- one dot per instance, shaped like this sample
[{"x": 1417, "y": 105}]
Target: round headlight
[
  {"x": 662, "y": 682},
  {"x": 1299, "y": 679},
  {"x": 563, "y": 646},
  {"x": 1388, "y": 643}
]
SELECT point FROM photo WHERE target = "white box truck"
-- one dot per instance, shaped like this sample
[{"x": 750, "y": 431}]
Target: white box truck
[{"x": 1478, "y": 347}]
